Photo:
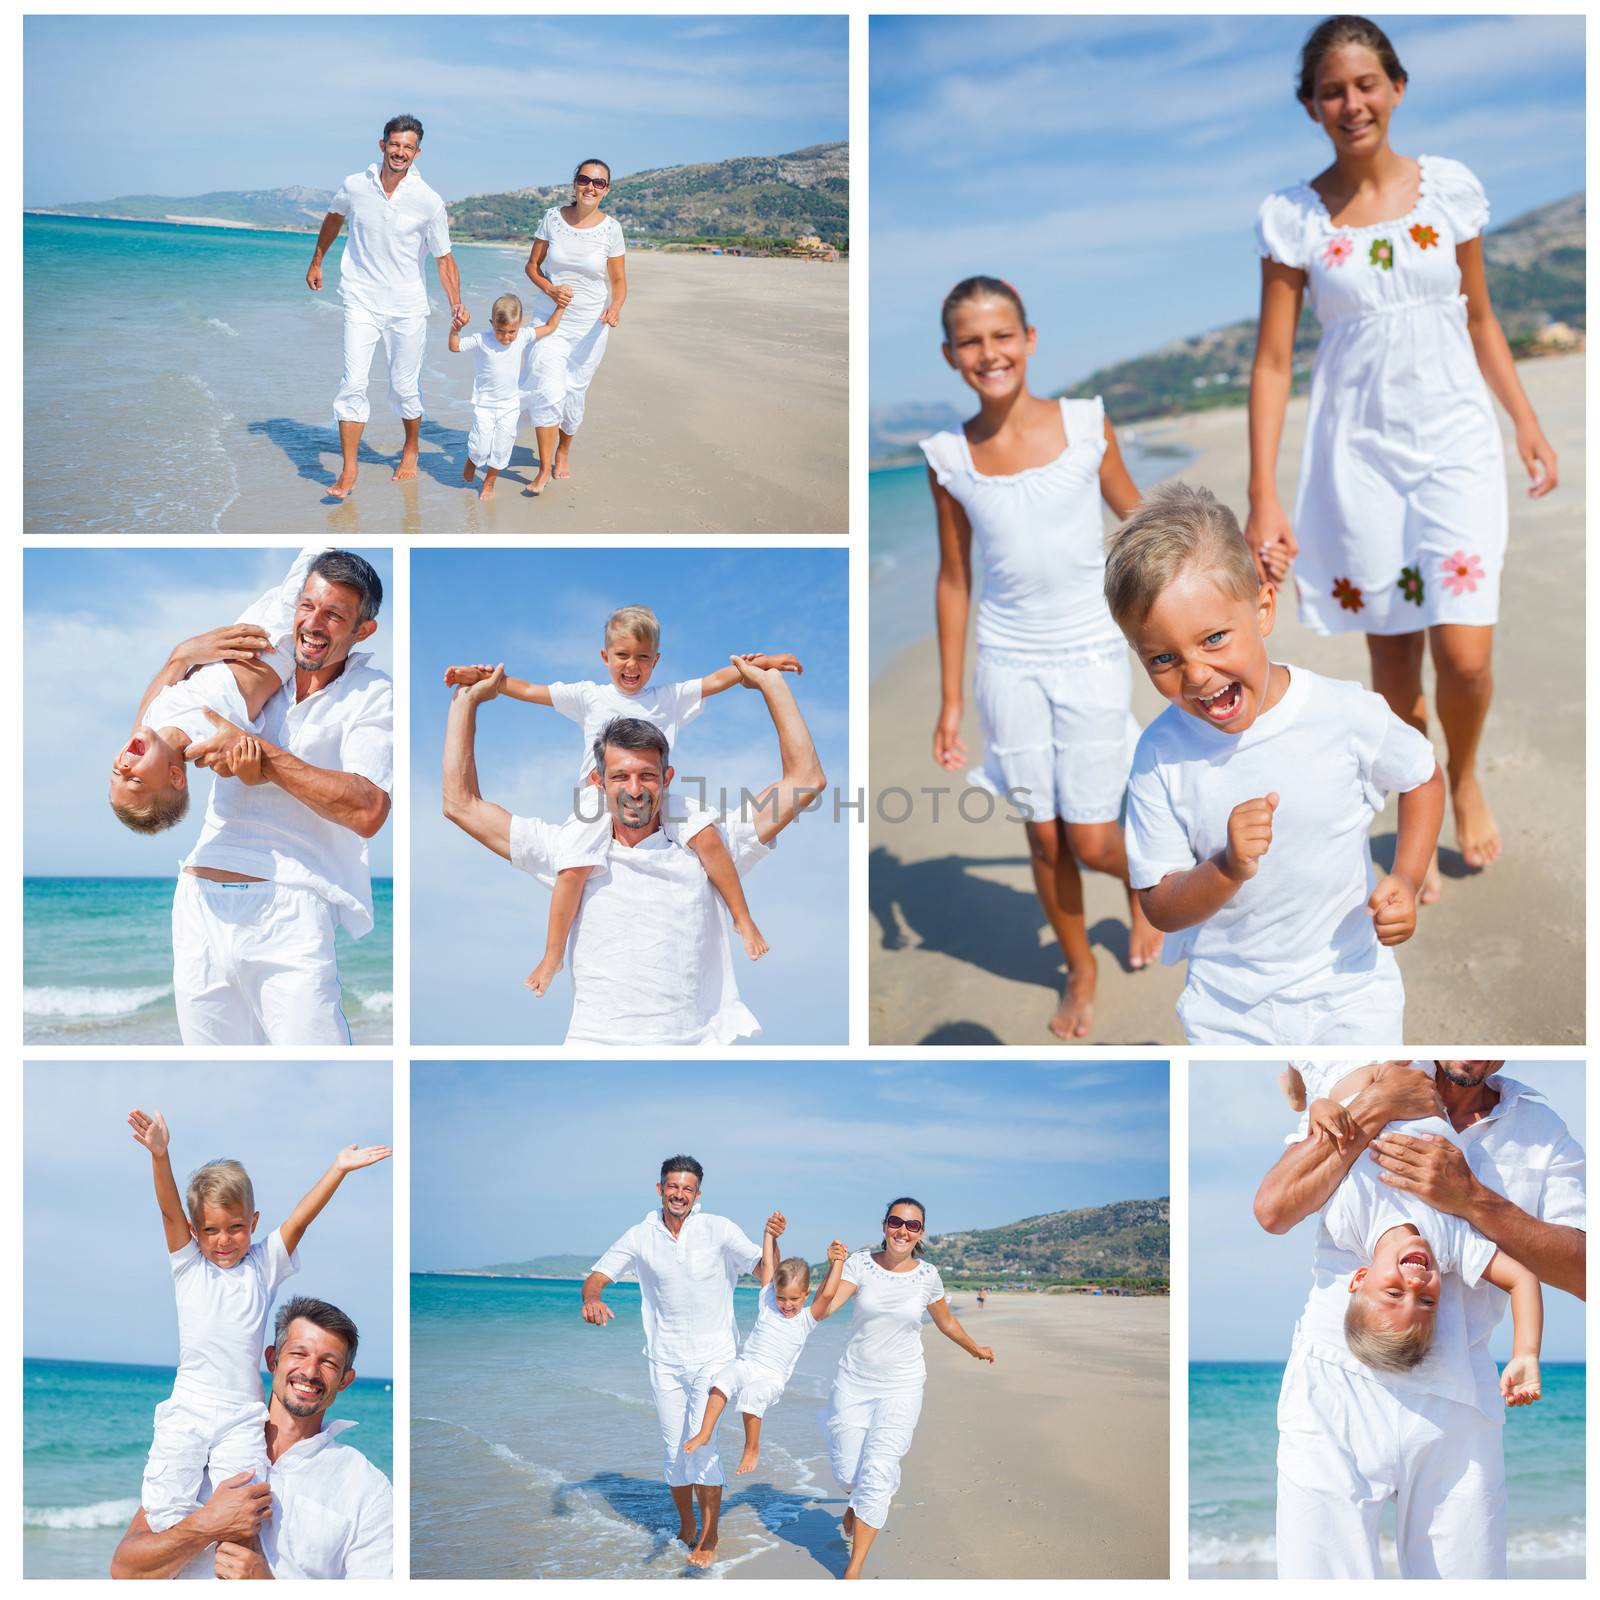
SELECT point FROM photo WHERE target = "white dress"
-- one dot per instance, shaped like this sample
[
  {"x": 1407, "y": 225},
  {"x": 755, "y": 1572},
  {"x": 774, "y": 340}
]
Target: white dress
[
  {"x": 1401, "y": 510},
  {"x": 565, "y": 361},
  {"x": 1052, "y": 680}
]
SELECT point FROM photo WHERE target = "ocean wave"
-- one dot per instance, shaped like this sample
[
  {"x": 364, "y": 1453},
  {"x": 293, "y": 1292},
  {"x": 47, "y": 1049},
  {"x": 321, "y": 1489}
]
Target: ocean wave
[
  {"x": 378, "y": 1004},
  {"x": 222, "y": 327},
  {"x": 1561, "y": 1543},
  {"x": 102, "y": 1514},
  {"x": 65, "y": 1001}
]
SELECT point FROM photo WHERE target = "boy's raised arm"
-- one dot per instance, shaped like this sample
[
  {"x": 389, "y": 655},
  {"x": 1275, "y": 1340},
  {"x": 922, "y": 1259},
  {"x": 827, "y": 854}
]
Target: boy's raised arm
[
  {"x": 321, "y": 1192},
  {"x": 822, "y": 1300},
  {"x": 152, "y": 1133},
  {"x": 535, "y": 694},
  {"x": 726, "y": 677},
  {"x": 768, "y": 1264}
]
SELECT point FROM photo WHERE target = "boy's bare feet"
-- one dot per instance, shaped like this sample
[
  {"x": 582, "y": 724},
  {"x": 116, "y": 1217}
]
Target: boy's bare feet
[
  {"x": 541, "y": 481},
  {"x": 1144, "y": 942},
  {"x": 1477, "y": 837},
  {"x": 754, "y": 945},
  {"x": 1075, "y": 1015},
  {"x": 408, "y": 464},
  {"x": 343, "y": 484},
  {"x": 469, "y": 471},
  {"x": 543, "y": 975},
  {"x": 747, "y": 1462}
]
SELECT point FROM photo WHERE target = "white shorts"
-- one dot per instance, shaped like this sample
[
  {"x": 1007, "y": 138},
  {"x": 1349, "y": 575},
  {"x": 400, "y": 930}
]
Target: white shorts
[
  {"x": 750, "y": 1387},
  {"x": 1059, "y": 731},
  {"x": 680, "y": 1404},
  {"x": 869, "y": 1430},
  {"x": 493, "y": 437},
  {"x": 253, "y": 963},
  {"x": 1365, "y": 1008},
  {"x": 1347, "y": 1445},
  {"x": 403, "y": 339},
  {"x": 192, "y": 1430}
]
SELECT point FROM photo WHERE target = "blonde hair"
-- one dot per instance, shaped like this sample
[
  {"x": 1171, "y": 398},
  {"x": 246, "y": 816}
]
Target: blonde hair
[
  {"x": 1386, "y": 1349},
  {"x": 506, "y": 309},
  {"x": 155, "y": 815},
  {"x": 793, "y": 1272},
  {"x": 638, "y": 622},
  {"x": 1174, "y": 527},
  {"x": 220, "y": 1183}
]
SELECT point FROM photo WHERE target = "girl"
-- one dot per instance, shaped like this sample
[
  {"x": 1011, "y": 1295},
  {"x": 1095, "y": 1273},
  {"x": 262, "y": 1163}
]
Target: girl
[
  {"x": 579, "y": 261},
  {"x": 1026, "y": 477},
  {"x": 1402, "y": 500}
]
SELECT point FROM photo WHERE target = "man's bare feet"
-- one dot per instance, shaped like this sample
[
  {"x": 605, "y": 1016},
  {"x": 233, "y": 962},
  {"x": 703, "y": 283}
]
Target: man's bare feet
[
  {"x": 747, "y": 1462},
  {"x": 702, "y": 1555},
  {"x": 688, "y": 1534},
  {"x": 543, "y": 975},
  {"x": 1432, "y": 883},
  {"x": 343, "y": 484},
  {"x": 487, "y": 492},
  {"x": 1477, "y": 837},
  {"x": 1075, "y": 1015},
  {"x": 563, "y": 462},
  {"x": 754, "y": 945},
  {"x": 407, "y": 467},
  {"x": 470, "y": 471},
  {"x": 1144, "y": 942},
  {"x": 541, "y": 481}
]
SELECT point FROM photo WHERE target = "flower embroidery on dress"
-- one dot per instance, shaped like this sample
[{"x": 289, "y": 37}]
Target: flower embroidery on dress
[
  {"x": 1463, "y": 573},
  {"x": 1346, "y": 593},
  {"x": 1339, "y": 250},
  {"x": 1411, "y": 585},
  {"x": 1381, "y": 254},
  {"x": 1424, "y": 235}
]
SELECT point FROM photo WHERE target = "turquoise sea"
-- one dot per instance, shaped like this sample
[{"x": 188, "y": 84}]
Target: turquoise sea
[
  {"x": 85, "y": 1433},
  {"x": 1232, "y": 1472},
  {"x": 97, "y": 963},
  {"x": 534, "y": 1446}
]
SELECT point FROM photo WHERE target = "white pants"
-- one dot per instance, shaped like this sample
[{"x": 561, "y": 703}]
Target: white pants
[
  {"x": 560, "y": 370},
  {"x": 493, "y": 437},
  {"x": 1366, "y": 1008},
  {"x": 253, "y": 963},
  {"x": 869, "y": 1430},
  {"x": 193, "y": 1429},
  {"x": 402, "y": 344},
  {"x": 680, "y": 1404},
  {"x": 751, "y": 1388},
  {"x": 1346, "y": 1445}
]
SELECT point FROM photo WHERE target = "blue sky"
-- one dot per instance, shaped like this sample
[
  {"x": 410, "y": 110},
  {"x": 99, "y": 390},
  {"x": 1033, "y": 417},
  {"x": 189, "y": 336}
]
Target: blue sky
[
  {"x": 512, "y": 1160},
  {"x": 1111, "y": 167},
  {"x": 478, "y": 925},
  {"x": 185, "y": 105},
  {"x": 85, "y": 1180},
  {"x": 1237, "y": 1123},
  {"x": 97, "y": 625}
]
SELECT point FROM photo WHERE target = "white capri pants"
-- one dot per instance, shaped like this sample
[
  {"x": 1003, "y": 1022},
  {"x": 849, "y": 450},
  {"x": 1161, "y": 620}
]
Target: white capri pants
[
  {"x": 253, "y": 963},
  {"x": 1347, "y": 1445},
  {"x": 402, "y": 344},
  {"x": 560, "y": 370},
  {"x": 1365, "y": 1008},
  {"x": 680, "y": 1403},
  {"x": 869, "y": 1430},
  {"x": 751, "y": 1388},
  {"x": 1059, "y": 730},
  {"x": 192, "y": 1429},
  {"x": 493, "y": 437}
]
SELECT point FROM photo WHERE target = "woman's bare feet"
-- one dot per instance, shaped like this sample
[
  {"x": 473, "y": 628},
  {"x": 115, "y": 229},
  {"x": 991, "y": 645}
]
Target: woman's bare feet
[
  {"x": 543, "y": 975},
  {"x": 408, "y": 464},
  {"x": 563, "y": 461},
  {"x": 754, "y": 945},
  {"x": 1477, "y": 837},
  {"x": 747, "y": 1462},
  {"x": 541, "y": 481},
  {"x": 702, "y": 1555},
  {"x": 487, "y": 492},
  {"x": 1075, "y": 1015},
  {"x": 469, "y": 471},
  {"x": 688, "y": 1534},
  {"x": 1144, "y": 942},
  {"x": 343, "y": 484}
]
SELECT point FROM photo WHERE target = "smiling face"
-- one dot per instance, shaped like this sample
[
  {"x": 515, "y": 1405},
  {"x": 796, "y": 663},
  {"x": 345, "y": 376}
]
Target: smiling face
[
  {"x": 223, "y": 1232},
  {"x": 899, "y": 1240},
  {"x": 327, "y": 624},
  {"x": 630, "y": 660},
  {"x": 1467, "y": 1074},
  {"x": 988, "y": 345},
  {"x": 1354, "y": 100},
  {"x": 1400, "y": 1290},
  {"x": 145, "y": 769},
  {"x": 590, "y": 185},
  {"x": 635, "y": 785},
  {"x": 1206, "y": 650},
  {"x": 309, "y": 1368},
  {"x": 399, "y": 151},
  {"x": 678, "y": 1192}
]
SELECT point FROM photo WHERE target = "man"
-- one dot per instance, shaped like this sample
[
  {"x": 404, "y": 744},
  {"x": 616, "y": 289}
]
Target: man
[
  {"x": 1352, "y": 1437},
  {"x": 395, "y": 220},
  {"x": 687, "y": 1264},
  {"x": 325, "y": 1510},
  {"x": 651, "y": 959},
  {"x": 282, "y": 857}
]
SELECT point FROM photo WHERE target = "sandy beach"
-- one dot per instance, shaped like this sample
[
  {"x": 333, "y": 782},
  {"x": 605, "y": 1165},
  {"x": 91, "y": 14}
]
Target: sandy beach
[
  {"x": 1014, "y": 1472},
  {"x": 961, "y": 954}
]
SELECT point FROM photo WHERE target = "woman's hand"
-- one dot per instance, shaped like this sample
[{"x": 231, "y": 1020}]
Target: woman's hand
[
  {"x": 948, "y": 750},
  {"x": 611, "y": 316},
  {"x": 1538, "y": 458},
  {"x": 983, "y": 1353},
  {"x": 1272, "y": 542}
]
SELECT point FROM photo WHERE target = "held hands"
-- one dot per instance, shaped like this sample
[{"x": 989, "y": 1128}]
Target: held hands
[
  {"x": 1272, "y": 543},
  {"x": 240, "y": 1561},
  {"x": 562, "y": 295},
  {"x": 354, "y": 1156},
  {"x": 216, "y": 753},
  {"x": 597, "y": 1312},
  {"x": 459, "y": 318},
  {"x": 1249, "y": 837},
  {"x": 783, "y": 662},
  {"x": 234, "y": 641},
  {"x": 465, "y": 677},
  {"x": 1394, "y": 909},
  {"x": 478, "y": 683},
  {"x": 244, "y": 761},
  {"x": 752, "y": 673},
  {"x": 838, "y": 1251},
  {"x": 150, "y": 1131},
  {"x": 1330, "y": 1121},
  {"x": 948, "y": 750},
  {"x": 776, "y": 1223},
  {"x": 1539, "y": 460},
  {"x": 1519, "y": 1381}
]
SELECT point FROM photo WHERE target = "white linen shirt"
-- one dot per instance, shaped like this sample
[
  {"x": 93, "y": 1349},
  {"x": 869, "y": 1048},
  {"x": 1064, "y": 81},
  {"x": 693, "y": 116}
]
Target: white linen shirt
[
  {"x": 497, "y": 381},
  {"x": 387, "y": 240},
  {"x": 885, "y": 1348},
  {"x": 223, "y": 1314},
  {"x": 264, "y": 832},
  {"x": 775, "y": 1342},
  {"x": 686, "y": 1286},
  {"x": 667, "y": 706},
  {"x": 649, "y": 950}
]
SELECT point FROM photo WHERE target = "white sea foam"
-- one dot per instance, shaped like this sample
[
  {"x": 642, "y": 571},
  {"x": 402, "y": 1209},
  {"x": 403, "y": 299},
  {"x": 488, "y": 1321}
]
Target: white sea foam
[
  {"x": 65, "y": 1001},
  {"x": 379, "y": 1004},
  {"x": 1560, "y": 1543},
  {"x": 102, "y": 1514},
  {"x": 222, "y": 327}
]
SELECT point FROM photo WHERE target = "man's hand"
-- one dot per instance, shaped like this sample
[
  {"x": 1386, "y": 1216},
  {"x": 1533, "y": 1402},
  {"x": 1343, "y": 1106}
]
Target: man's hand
[
  {"x": 241, "y": 1561},
  {"x": 751, "y": 675},
  {"x": 234, "y": 641},
  {"x": 481, "y": 689},
  {"x": 1394, "y": 910},
  {"x": 1433, "y": 1169},
  {"x": 783, "y": 662},
  {"x": 597, "y": 1312},
  {"x": 355, "y": 1156},
  {"x": 150, "y": 1131},
  {"x": 1249, "y": 836},
  {"x": 216, "y": 753},
  {"x": 459, "y": 319},
  {"x": 314, "y": 275},
  {"x": 776, "y": 1223},
  {"x": 235, "y": 1511},
  {"x": 465, "y": 677},
  {"x": 838, "y": 1251},
  {"x": 1402, "y": 1093},
  {"x": 1519, "y": 1381},
  {"x": 1329, "y": 1120},
  {"x": 245, "y": 761}
]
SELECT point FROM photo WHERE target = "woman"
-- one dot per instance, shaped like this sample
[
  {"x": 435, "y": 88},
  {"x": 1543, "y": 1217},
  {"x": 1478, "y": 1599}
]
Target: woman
[
  {"x": 1024, "y": 480},
  {"x": 877, "y": 1393},
  {"x": 1400, "y": 519},
  {"x": 578, "y": 261}
]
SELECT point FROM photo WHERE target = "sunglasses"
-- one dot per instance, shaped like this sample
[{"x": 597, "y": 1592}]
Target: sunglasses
[
  {"x": 908, "y": 1224},
  {"x": 583, "y": 180}
]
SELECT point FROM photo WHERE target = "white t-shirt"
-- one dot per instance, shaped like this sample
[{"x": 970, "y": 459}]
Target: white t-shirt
[
  {"x": 667, "y": 706},
  {"x": 885, "y": 1348},
  {"x": 264, "y": 832},
  {"x": 578, "y": 256},
  {"x": 223, "y": 1314},
  {"x": 497, "y": 368},
  {"x": 649, "y": 950},
  {"x": 686, "y": 1284},
  {"x": 1331, "y": 751},
  {"x": 388, "y": 238},
  {"x": 775, "y": 1342}
]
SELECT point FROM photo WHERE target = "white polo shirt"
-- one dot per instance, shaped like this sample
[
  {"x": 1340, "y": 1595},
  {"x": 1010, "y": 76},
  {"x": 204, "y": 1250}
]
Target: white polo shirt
[
  {"x": 388, "y": 239},
  {"x": 687, "y": 1286},
  {"x": 264, "y": 832},
  {"x": 649, "y": 951},
  {"x": 223, "y": 1314},
  {"x": 667, "y": 706}
]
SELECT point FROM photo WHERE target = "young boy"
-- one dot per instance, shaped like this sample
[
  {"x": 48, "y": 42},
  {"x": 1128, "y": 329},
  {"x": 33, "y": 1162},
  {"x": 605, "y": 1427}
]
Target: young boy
[
  {"x": 631, "y": 650},
  {"x": 232, "y": 671},
  {"x": 499, "y": 357},
  {"x": 225, "y": 1287},
  {"x": 757, "y": 1378},
  {"x": 1392, "y": 1316},
  {"x": 1252, "y": 795}
]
